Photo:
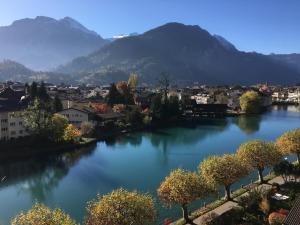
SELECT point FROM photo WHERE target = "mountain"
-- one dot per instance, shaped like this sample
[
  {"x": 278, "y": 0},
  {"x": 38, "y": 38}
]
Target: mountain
[
  {"x": 43, "y": 43},
  {"x": 187, "y": 53},
  {"x": 13, "y": 71},
  {"x": 293, "y": 60},
  {"x": 225, "y": 43}
]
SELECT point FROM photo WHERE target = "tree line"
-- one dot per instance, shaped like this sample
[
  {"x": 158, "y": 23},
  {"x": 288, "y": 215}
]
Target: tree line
[{"x": 181, "y": 187}]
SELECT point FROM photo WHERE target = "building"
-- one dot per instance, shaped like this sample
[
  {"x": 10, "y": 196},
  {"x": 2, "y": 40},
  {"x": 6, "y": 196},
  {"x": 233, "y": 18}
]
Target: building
[
  {"x": 78, "y": 116},
  {"x": 12, "y": 105},
  {"x": 203, "y": 99}
]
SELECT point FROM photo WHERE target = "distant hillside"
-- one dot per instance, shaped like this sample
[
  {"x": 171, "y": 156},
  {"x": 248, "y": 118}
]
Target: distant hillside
[
  {"x": 44, "y": 43},
  {"x": 13, "y": 71},
  {"x": 187, "y": 53},
  {"x": 293, "y": 60}
]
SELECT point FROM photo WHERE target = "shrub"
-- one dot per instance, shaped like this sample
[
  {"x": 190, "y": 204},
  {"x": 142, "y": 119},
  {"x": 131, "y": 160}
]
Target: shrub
[{"x": 276, "y": 218}]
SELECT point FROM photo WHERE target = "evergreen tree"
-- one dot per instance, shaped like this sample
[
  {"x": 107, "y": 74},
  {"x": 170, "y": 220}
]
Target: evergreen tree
[
  {"x": 33, "y": 90},
  {"x": 113, "y": 97},
  {"x": 57, "y": 104},
  {"x": 42, "y": 92}
]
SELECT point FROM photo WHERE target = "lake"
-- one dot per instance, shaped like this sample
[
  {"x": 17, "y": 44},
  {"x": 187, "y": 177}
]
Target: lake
[{"x": 134, "y": 161}]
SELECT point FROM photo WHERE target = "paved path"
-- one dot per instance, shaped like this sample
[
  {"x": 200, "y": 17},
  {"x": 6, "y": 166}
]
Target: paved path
[{"x": 230, "y": 204}]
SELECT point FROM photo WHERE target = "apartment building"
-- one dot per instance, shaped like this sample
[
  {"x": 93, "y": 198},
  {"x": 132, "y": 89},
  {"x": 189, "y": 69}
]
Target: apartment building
[{"x": 12, "y": 105}]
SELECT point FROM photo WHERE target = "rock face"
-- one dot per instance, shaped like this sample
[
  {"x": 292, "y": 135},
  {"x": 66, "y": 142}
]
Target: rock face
[
  {"x": 44, "y": 43},
  {"x": 187, "y": 53}
]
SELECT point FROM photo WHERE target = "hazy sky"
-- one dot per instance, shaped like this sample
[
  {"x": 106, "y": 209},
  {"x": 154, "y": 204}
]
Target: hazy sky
[{"x": 251, "y": 25}]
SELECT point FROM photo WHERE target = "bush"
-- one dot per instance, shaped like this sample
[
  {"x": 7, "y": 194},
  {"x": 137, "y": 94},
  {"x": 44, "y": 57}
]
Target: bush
[{"x": 276, "y": 218}]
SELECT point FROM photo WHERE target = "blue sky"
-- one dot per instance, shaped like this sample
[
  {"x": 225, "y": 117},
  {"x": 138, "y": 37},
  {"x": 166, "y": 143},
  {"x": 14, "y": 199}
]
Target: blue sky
[{"x": 252, "y": 25}]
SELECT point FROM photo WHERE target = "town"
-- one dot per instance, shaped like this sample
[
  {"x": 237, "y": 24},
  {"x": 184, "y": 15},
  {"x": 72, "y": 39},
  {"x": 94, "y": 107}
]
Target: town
[{"x": 88, "y": 103}]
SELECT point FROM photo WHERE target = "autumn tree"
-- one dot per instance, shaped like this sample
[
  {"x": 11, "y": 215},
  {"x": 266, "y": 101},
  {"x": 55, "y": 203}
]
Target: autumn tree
[
  {"x": 223, "y": 170},
  {"x": 289, "y": 143},
  {"x": 183, "y": 187},
  {"x": 121, "y": 207},
  {"x": 250, "y": 102},
  {"x": 58, "y": 126},
  {"x": 42, "y": 215},
  {"x": 132, "y": 82},
  {"x": 258, "y": 155},
  {"x": 87, "y": 129},
  {"x": 71, "y": 133}
]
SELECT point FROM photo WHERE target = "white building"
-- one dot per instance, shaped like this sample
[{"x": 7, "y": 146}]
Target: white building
[
  {"x": 76, "y": 116},
  {"x": 203, "y": 99}
]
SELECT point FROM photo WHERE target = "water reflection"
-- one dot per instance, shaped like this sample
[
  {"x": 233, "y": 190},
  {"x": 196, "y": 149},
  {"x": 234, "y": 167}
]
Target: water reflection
[
  {"x": 248, "y": 124},
  {"x": 40, "y": 175}
]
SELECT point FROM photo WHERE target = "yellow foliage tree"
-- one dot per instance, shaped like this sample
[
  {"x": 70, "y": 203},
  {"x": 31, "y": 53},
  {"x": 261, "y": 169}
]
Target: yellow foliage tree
[
  {"x": 183, "y": 187},
  {"x": 289, "y": 143},
  {"x": 71, "y": 133},
  {"x": 250, "y": 102},
  {"x": 223, "y": 170},
  {"x": 259, "y": 154},
  {"x": 121, "y": 207},
  {"x": 42, "y": 215},
  {"x": 132, "y": 81},
  {"x": 59, "y": 124}
]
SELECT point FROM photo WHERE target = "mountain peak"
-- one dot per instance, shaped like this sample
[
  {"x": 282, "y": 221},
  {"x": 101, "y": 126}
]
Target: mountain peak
[{"x": 76, "y": 25}]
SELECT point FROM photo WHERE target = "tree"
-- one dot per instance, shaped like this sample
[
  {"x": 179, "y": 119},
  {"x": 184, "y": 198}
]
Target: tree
[
  {"x": 164, "y": 85},
  {"x": 289, "y": 143},
  {"x": 258, "y": 155},
  {"x": 42, "y": 92},
  {"x": 223, "y": 170},
  {"x": 250, "y": 102},
  {"x": 58, "y": 126},
  {"x": 37, "y": 118},
  {"x": 132, "y": 82},
  {"x": 113, "y": 97},
  {"x": 174, "y": 109},
  {"x": 121, "y": 207},
  {"x": 156, "y": 106},
  {"x": 183, "y": 187},
  {"x": 135, "y": 117},
  {"x": 33, "y": 90},
  {"x": 87, "y": 129},
  {"x": 71, "y": 133},
  {"x": 222, "y": 98},
  {"x": 284, "y": 169},
  {"x": 57, "y": 104},
  {"x": 42, "y": 215}
]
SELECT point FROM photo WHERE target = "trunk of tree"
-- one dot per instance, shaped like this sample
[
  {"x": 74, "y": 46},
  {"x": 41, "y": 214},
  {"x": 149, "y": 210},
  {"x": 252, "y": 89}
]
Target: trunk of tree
[
  {"x": 227, "y": 193},
  {"x": 260, "y": 175},
  {"x": 185, "y": 214},
  {"x": 298, "y": 157}
]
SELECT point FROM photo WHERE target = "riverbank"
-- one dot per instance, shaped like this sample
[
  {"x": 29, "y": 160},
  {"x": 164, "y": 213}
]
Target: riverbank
[{"x": 23, "y": 148}]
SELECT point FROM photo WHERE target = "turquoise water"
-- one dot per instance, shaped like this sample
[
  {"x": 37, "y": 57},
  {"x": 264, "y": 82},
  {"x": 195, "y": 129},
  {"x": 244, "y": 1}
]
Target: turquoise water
[{"x": 135, "y": 161}]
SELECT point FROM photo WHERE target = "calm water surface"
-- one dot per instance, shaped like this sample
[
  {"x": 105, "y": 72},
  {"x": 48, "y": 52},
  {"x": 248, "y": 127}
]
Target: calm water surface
[{"x": 136, "y": 161}]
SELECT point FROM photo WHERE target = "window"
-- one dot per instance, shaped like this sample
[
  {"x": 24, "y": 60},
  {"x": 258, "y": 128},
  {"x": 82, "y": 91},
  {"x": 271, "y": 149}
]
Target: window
[
  {"x": 20, "y": 123},
  {"x": 4, "y": 121},
  {"x": 21, "y": 132},
  {"x": 4, "y": 129},
  {"x": 13, "y": 133},
  {"x": 12, "y": 124}
]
